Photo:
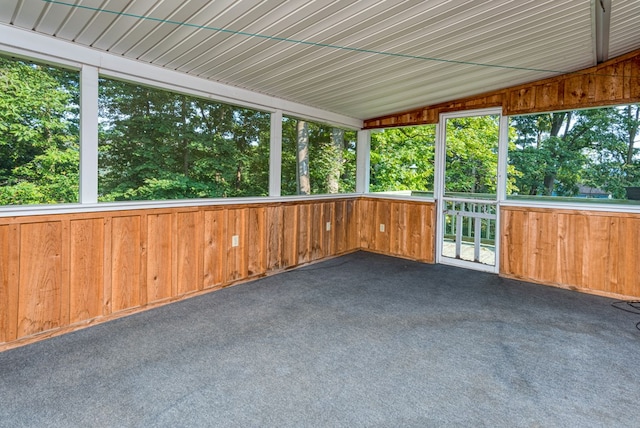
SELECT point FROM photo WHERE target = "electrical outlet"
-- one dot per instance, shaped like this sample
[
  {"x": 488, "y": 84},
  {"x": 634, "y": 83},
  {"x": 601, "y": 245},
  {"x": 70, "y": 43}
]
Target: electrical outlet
[
  {"x": 328, "y": 225},
  {"x": 381, "y": 227},
  {"x": 235, "y": 240}
]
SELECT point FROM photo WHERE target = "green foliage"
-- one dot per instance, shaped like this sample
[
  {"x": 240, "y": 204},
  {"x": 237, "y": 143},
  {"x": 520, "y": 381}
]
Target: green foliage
[
  {"x": 324, "y": 158},
  {"x": 472, "y": 154},
  {"x": 402, "y": 159},
  {"x": 555, "y": 153},
  {"x": 156, "y": 144},
  {"x": 39, "y": 155}
]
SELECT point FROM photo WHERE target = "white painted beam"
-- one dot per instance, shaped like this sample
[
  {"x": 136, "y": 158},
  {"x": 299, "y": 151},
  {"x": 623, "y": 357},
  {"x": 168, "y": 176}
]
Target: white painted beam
[
  {"x": 363, "y": 159},
  {"x": 88, "y": 135},
  {"x": 275, "y": 154}
]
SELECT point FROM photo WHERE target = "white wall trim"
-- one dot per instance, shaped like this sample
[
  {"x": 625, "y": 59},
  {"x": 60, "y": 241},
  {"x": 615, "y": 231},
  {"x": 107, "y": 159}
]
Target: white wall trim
[{"x": 33, "y": 210}]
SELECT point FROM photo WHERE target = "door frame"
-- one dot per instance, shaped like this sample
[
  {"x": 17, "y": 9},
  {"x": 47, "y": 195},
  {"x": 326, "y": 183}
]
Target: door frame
[{"x": 439, "y": 182}]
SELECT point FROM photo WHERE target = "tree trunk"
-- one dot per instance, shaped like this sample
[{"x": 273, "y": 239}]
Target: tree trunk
[
  {"x": 303, "y": 181},
  {"x": 337, "y": 143},
  {"x": 185, "y": 141},
  {"x": 633, "y": 125}
]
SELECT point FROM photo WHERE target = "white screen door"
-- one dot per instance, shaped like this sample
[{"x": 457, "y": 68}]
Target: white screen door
[{"x": 467, "y": 189}]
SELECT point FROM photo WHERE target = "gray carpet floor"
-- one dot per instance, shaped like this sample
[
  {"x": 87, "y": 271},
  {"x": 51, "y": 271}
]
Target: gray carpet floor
[{"x": 360, "y": 340}]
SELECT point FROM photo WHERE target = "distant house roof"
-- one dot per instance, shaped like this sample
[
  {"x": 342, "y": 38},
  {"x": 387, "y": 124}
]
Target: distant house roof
[{"x": 591, "y": 191}]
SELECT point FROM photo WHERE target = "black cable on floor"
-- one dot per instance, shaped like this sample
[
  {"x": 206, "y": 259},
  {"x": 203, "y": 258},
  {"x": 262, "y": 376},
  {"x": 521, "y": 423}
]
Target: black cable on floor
[{"x": 631, "y": 306}]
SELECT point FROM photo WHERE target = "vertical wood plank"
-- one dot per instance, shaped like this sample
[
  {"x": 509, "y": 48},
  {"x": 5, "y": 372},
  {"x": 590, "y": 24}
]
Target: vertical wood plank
[
  {"x": 125, "y": 262},
  {"x": 86, "y": 273},
  {"x": 571, "y": 230},
  {"x": 40, "y": 295},
  {"x": 352, "y": 224},
  {"x": 316, "y": 226},
  {"x": 274, "y": 225},
  {"x": 416, "y": 238},
  {"x": 610, "y": 83},
  {"x": 366, "y": 213},
  {"x": 290, "y": 235},
  {"x": 214, "y": 250},
  {"x": 328, "y": 236},
  {"x": 159, "y": 257},
  {"x": 9, "y": 281},
  {"x": 304, "y": 233},
  {"x": 189, "y": 241},
  {"x": 107, "y": 304},
  {"x": 65, "y": 257},
  {"x": 340, "y": 227},
  {"x": 595, "y": 243},
  {"x": 397, "y": 229},
  {"x": 383, "y": 217},
  {"x": 256, "y": 251},
  {"x": 626, "y": 257},
  {"x": 236, "y": 256},
  {"x": 428, "y": 213},
  {"x": 514, "y": 247},
  {"x": 543, "y": 231}
]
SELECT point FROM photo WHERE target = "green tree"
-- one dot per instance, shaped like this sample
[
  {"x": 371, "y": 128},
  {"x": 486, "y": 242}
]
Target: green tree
[
  {"x": 327, "y": 159},
  {"x": 156, "y": 144},
  {"x": 472, "y": 154},
  {"x": 402, "y": 159},
  {"x": 555, "y": 153},
  {"x": 39, "y": 156}
]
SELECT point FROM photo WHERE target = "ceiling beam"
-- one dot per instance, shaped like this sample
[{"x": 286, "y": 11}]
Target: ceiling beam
[{"x": 601, "y": 25}]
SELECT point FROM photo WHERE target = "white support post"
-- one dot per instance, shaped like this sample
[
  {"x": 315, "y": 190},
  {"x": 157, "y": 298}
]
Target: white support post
[
  {"x": 88, "y": 135},
  {"x": 275, "y": 154},
  {"x": 503, "y": 147},
  {"x": 363, "y": 158}
]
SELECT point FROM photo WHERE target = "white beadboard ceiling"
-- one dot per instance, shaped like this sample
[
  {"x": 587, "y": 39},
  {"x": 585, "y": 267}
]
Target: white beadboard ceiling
[{"x": 359, "y": 58}]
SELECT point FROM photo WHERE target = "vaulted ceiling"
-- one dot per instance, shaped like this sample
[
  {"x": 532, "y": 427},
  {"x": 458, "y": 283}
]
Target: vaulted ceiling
[{"x": 360, "y": 58}]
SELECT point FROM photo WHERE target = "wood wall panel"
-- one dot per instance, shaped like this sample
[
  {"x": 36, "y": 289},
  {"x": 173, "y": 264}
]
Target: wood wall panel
[
  {"x": 256, "y": 240},
  {"x": 304, "y": 233},
  {"x": 382, "y": 215},
  {"x": 409, "y": 228},
  {"x": 86, "y": 286},
  {"x": 215, "y": 224},
  {"x": 290, "y": 234},
  {"x": 63, "y": 272},
  {"x": 341, "y": 236},
  {"x": 626, "y": 257},
  {"x": 159, "y": 283},
  {"x": 126, "y": 284},
  {"x": 40, "y": 305},
  {"x": 274, "y": 223},
  {"x": 317, "y": 227},
  {"x": 352, "y": 224},
  {"x": 587, "y": 250},
  {"x": 189, "y": 245},
  {"x": 570, "y": 253},
  {"x": 236, "y": 256},
  {"x": 9, "y": 281},
  {"x": 616, "y": 81}
]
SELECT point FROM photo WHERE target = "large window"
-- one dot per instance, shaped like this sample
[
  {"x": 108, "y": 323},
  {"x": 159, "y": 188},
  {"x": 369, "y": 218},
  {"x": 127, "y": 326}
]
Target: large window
[
  {"x": 402, "y": 160},
  {"x": 39, "y": 117},
  {"x": 317, "y": 159},
  {"x": 576, "y": 154},
  {"x": 155, "y": 144}
]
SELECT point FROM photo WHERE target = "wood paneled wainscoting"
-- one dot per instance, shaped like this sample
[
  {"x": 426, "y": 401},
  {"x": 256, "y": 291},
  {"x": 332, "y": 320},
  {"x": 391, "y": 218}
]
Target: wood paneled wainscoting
[
  {"x": 397, "y": 228},
  {"x": 65, "y": 271},
  {"x": 591, "y": 251}
]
